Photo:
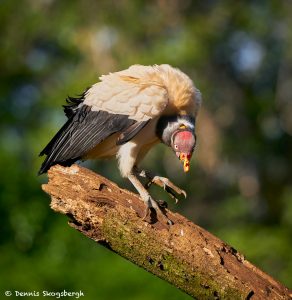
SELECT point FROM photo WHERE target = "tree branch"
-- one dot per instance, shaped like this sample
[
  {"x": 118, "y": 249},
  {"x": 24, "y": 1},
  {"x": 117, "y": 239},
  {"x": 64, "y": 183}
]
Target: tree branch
[{"x": 183, "y": 254}]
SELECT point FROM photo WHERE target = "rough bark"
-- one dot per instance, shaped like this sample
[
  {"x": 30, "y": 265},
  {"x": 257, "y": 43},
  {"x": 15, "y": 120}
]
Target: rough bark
[{"x": 183, "y": 254}]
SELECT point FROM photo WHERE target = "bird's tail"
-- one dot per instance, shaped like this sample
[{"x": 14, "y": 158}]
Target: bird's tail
[
  {"x": 48, "y": 163},
  {"x": 55, "y": 147},
  {"x": 52, "y": 150}
]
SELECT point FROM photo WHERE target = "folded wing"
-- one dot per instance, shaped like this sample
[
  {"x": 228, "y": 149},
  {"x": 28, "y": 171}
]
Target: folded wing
[{"x": 118, "y": 104}]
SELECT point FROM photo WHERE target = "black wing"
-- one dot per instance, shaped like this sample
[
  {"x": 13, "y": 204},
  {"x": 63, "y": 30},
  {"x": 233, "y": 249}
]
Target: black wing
[{"x": 82, "y": 132}]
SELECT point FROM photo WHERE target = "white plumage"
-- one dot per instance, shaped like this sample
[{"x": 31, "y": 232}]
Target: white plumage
[{"x": 144, "y": 92}]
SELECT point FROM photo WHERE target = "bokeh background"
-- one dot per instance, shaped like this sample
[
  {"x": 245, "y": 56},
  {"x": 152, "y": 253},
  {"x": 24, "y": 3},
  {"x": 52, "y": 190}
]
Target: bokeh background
[{"x": 239, "y": 54}]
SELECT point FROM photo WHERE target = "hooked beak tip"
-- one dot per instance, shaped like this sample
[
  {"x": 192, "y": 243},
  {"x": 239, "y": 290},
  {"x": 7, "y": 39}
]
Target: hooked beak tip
[
  {"x": 185, "y": 159},
  {"x": 186, "y": 168}
]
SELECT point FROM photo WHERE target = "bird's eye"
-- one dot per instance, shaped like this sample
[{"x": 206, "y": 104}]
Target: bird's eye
[{"x": 175, "y": 147}]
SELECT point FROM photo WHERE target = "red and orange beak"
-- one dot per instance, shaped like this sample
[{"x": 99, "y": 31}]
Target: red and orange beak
[{"x": 185, "y": 159}]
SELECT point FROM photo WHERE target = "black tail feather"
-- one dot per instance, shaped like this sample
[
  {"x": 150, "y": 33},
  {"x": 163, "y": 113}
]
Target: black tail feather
[
  {"x": 49, "y": 149},
  {"x": 46, "y": 165}
]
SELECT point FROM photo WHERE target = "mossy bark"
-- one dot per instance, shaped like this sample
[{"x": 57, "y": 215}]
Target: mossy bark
[{"x": 183, "y": 254}]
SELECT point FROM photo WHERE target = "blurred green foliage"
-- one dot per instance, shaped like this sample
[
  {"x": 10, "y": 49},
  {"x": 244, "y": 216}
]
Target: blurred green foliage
[{"x": 239, "y": 56}]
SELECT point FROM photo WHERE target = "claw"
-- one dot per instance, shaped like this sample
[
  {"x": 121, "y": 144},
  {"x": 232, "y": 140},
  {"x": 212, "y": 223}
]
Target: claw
[
  {"x": 148, "y": 184},
  {"x": 184, "y": 193},
  {"x": 171, "y": 194}
]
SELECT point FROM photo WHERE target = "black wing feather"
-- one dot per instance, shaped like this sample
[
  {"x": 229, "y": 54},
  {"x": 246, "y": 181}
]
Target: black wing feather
[{"x": 82, "y": 132}]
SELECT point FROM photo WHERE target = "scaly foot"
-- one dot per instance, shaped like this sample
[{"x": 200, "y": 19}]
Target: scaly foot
[
  {"x": 148, "y": 200},
  {"x": 152, "y": 204}
]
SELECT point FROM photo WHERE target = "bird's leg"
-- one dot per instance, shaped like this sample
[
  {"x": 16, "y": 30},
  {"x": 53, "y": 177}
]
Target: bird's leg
[
  {"x": 148, "y": 200},
  {"x": 163, "y": 182}
]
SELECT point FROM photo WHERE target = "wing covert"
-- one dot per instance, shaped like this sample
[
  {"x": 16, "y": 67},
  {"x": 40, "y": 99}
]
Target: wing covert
[{"x": 140, "y": 96}]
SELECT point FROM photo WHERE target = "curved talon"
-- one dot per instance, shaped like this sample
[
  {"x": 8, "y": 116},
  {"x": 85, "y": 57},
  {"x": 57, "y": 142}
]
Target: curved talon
[
  {"x": 148, "y": 184},
  {"x": 168, "y": 221},
  {"x": 171, "y": 194},
  {"x": 184, "y": 193}
]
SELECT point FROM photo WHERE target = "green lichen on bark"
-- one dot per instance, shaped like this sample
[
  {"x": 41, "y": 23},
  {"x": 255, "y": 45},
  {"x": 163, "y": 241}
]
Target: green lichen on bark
[{"x": 139, "y": 247}]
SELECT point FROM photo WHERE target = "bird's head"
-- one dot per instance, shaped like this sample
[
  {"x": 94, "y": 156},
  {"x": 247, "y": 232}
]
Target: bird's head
[
  {"x": 178, "y": 132},
  {"x": 183, "y": 144}
]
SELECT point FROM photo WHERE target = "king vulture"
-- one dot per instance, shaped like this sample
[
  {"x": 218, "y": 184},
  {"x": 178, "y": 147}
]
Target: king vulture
[{"x": 124, "y": 116}]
